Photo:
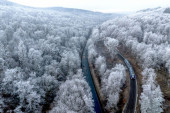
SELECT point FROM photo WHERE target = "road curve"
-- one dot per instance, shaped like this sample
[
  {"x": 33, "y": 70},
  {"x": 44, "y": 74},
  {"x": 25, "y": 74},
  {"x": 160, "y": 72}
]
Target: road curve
[
  {"x": 88, "y": 76},
  {"x": 130, "y": 106}
]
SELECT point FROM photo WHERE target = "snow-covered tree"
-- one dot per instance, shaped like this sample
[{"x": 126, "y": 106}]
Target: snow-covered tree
[
  {"x": 35, "y": 58},
  {"x": 111, "y": 45},
  {"x": 92, "y": 54},
  {"x": 151, "y": 98},
  {"x": 74, "y": 96},
  {"x": 112, "y": 81},
  {"x": 22, "y": 53},
  {"x": 100, "y": 65}
]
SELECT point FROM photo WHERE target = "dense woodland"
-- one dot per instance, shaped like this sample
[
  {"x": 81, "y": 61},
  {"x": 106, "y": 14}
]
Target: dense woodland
[
  {"x": 40, "y": 57},
  {"x": 145, "y": 35},
  {"x": 41, "y": 50},
  {"x": 112, "y": 79}
]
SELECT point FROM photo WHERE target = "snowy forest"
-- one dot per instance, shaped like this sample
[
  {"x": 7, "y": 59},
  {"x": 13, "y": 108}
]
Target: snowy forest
[
  {"x": 41, "y": 51},
  {"x": 40, "y": 57},
  {"x": 146, "y": 36}
]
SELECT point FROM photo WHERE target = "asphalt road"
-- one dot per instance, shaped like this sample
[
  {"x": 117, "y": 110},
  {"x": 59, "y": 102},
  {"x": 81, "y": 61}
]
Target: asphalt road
[
  {"x": 131, "y": 103},
  {"x": 88, "y": 76},
  {"x": 130, "y": 106}
]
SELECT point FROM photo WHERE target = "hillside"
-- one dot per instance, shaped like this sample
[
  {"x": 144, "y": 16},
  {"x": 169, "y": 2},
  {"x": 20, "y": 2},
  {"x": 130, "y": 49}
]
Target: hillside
[
  {"x": 41, "y": 51},
  {"x": 40, "y": 57},
  {"x": 144, "y": 39}
]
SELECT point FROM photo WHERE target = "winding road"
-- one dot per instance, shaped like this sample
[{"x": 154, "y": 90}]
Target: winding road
[
  {"x": 88, "y": 76},
  {"x": 130, "y": 106}
]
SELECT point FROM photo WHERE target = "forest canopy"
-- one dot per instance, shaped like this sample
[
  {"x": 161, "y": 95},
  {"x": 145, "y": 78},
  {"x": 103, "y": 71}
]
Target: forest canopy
[{"x": 40, "y": 53}]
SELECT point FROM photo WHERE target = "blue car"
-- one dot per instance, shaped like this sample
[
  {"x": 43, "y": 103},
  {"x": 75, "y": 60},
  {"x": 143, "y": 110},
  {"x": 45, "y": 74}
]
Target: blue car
[{"x": 132, "y": 76}]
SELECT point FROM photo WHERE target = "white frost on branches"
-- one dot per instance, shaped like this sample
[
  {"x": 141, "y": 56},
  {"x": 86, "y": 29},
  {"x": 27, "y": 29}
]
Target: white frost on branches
[{"x": 151, "y": 98}]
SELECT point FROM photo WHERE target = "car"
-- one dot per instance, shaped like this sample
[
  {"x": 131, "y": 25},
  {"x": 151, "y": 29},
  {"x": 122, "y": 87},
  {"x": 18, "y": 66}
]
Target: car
[{"x": 132, "y": 76}]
